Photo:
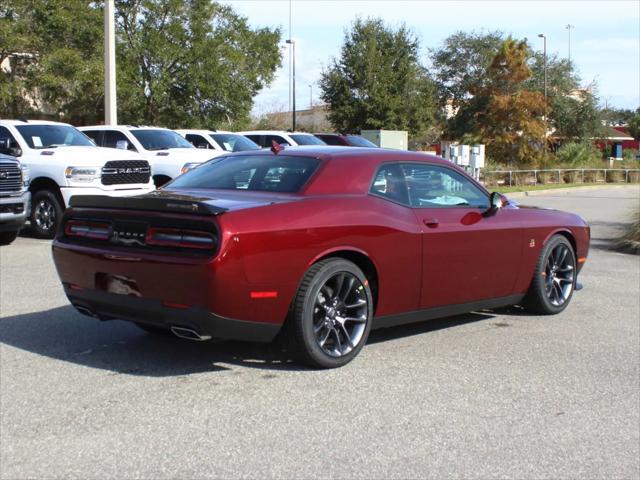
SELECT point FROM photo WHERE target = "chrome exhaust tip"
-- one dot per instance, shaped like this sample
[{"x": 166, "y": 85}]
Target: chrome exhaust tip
[{"x": 189, "y": 334}]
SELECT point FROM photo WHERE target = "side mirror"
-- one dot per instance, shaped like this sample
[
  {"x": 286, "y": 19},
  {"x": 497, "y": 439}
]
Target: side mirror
[
  {"x": 496, "y": 201},
  {"x": 7, "y": 149},
  {"x": 122, "y": 144}
]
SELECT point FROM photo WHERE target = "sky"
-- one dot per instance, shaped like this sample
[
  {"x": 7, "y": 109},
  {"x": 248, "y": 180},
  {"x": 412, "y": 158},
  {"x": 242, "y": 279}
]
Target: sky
[{"x": 605, "y": 40}]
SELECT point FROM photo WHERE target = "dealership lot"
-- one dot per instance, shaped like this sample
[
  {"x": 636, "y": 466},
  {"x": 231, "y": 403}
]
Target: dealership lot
[{"x": 482, "y": 395}]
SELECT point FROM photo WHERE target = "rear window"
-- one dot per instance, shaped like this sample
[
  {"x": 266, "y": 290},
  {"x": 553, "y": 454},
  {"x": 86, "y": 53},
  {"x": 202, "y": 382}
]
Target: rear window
[
  {"x": 306, "y": 140},
  {"x": 281, "y": 173}
]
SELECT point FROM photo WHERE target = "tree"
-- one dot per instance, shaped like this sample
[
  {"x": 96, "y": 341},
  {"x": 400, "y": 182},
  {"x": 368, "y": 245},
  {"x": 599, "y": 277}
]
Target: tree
[
  {"x": 504, "y": 115},
  {"x": 56, "y": 58},
  {"x": 575, "y": 116},
  {"x": 461, "y": 64},
  {"x": 377, "y": 81},
  {"x": 192, "y": 63},
  {"x": 634, "y": 125}
]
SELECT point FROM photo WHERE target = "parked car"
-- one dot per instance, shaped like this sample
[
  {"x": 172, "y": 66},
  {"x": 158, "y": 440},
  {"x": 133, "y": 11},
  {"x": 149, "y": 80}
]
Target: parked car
[
  {"x": 345, "y": 140},
  {"x": 218, "y": 140},
  {"x": 63, "y": 162},
  {"x": 168, "y": 152},
  {"x": 265, "y": 138},
  {"x": 14, "y": 197},
  {"x": 323, "y": 243}
]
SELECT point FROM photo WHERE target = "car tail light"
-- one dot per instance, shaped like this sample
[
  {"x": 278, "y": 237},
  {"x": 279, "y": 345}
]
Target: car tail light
[
  {"x": 87, "y": 229},
  {"x": 176, "y": 237}
]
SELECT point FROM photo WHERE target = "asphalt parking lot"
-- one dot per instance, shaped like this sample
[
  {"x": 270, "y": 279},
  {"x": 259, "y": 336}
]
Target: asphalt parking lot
[{"x": 483, "y": 395}]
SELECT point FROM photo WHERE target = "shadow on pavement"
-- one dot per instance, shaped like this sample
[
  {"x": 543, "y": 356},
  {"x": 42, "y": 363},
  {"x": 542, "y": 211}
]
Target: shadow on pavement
[{"x": 63, "y": 334}]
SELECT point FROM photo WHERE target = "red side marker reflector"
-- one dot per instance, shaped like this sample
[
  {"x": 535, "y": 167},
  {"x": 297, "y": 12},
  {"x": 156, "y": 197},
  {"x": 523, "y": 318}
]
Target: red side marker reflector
[
  {"x": 264, "y": 294},
  {"x": 73, "y": 286},
  {"x": 169, "y": 304}
]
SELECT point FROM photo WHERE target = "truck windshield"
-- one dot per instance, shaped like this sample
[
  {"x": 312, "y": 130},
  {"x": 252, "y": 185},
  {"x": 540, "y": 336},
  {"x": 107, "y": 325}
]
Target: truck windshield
[
  {"x": 233, "y": 142},
  {"x": 160, "y": 139},
  {"x": 281, "y": 173},
  {"x": 50, "y": 136}
]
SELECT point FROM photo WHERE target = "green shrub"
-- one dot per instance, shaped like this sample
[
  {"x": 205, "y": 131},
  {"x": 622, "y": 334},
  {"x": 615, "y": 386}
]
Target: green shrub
[
  {"x": 630, "y": 241},
  {"x": 579, "y": 155}
]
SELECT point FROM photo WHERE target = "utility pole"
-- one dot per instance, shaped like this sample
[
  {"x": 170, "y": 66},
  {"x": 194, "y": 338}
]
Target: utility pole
[
  {"x": 293, "y": 56},
  {"x": 570, "y": 27},
  {"x": 110, "y": 100}
]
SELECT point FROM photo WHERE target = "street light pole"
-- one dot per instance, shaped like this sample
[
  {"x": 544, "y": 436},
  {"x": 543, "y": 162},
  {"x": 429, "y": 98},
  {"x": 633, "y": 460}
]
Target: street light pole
[
  {"x": 110, "y": 104},
  {"x": 569, "y": 27},
  {"x": 310, "y": 96},
  {"x": 293, "y": 116},
  {"x": 541, "y": 35},
  {"x": 546, "y": 105}
]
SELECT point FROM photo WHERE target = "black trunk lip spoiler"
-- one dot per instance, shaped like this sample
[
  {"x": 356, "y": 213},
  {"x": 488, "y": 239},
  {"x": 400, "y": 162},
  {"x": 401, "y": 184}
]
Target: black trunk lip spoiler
[{"x": 154, "y": 203}]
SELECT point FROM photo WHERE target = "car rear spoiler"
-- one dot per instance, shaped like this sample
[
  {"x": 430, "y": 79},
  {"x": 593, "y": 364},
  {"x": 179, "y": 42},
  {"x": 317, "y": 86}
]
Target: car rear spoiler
[{"x": 150, "y": 202}]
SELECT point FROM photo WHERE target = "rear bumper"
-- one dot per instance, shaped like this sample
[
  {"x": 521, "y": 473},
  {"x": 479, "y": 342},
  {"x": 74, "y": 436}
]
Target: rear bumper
[
  {"x": 108, "y": 306},
  {"x": 121, "y": 191}
]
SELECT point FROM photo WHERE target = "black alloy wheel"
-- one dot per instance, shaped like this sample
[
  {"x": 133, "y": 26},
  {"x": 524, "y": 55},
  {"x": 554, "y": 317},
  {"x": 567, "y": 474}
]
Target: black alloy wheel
[
  {"x": 554, "y": 279},
  {"x": 331, "y": 315}
]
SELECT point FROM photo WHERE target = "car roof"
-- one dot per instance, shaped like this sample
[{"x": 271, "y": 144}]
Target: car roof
[
  {"x": 205, "y": 132},
  {"x": 122, "y": 127},
  {"x": 338, "y": 153},
  {"x": 272, "y": 132},
  {"x": 32, "y": 122}
]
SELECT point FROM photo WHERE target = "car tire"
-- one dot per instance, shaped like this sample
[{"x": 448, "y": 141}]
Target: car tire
[
  {"x": 554, "y": 278},
  {"x": 46, "y": 214},
  {"x": 7, "y": 237},
  {"x": 330, "y": 318}
]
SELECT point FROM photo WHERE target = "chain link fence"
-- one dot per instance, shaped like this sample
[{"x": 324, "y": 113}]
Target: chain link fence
[{"x": 518, "y": 178}]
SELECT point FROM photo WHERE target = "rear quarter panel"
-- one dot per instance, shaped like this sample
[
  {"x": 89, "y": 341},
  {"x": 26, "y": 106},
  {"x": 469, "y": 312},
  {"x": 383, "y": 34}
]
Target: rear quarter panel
[{"x": 278, "y": 243}]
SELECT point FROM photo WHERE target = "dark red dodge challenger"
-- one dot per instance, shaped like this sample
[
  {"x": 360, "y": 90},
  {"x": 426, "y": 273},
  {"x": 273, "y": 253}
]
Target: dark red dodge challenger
[{"x": 322, "y": 243}]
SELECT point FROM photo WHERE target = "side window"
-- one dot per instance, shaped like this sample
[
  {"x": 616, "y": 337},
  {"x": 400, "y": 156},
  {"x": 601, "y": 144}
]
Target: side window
[
  {"x": 197, "y": 141},
  {"x": 389, "y": 183},
  {"x": 8, "y": 144},
  {"x": 269, "y": 138},
  {"x": 256, "y": 139},
  {"x": 95, "y": 135},
  {"x": 432, "y": 186},
  {"x": 116, "y": 139}
]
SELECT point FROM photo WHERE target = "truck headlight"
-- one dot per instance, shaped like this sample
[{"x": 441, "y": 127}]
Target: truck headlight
[
  {"x": 189, "y": 166},
  {"x": 82, "y": 174},
  {"x": 25, "y": 175}
]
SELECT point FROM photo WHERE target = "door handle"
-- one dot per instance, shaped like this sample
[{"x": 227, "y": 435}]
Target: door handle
[{"x": 431, "y": 222}]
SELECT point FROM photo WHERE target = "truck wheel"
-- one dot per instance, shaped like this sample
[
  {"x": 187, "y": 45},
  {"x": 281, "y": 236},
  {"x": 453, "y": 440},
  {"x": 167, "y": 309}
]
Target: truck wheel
[
  {"x": 46, "y": 213},
  {"x": 330, "y": 318},
  {"x": 7, "y": 237}
]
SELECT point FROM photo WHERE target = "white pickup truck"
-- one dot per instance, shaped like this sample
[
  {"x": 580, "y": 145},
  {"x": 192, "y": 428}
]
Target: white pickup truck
[
  {"x": 64, "y": 162},
  {"x": 168, "y": 153}
]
